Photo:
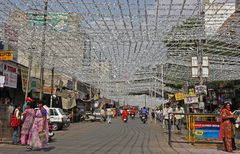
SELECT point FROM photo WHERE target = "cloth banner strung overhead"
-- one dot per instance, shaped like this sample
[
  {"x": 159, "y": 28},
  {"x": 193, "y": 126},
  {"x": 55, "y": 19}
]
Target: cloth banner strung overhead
[{"x": 68, "y": 99}]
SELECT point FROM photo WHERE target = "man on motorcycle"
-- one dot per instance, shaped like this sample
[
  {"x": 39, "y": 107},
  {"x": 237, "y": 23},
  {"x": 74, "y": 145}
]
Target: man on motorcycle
[
  {"x": 132, "y": 111},
  {"x": 144, "y": 111},
  {"x": 124, "y": 114}
]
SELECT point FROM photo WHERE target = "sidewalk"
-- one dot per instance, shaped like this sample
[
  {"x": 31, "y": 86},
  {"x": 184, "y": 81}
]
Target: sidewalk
[{"x": 212, "y": 148}]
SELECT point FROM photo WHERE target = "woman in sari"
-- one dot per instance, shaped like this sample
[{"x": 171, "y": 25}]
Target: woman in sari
[
  {"x": 28, "y": 115},
  {"x": 226, "y": 128},
  {"x": 39, "y": 139}
]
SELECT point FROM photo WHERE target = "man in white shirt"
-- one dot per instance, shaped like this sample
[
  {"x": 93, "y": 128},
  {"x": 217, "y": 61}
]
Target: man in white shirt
[
  {"x": 166, "y": 111},
  {"x": 179, "y": 118}
]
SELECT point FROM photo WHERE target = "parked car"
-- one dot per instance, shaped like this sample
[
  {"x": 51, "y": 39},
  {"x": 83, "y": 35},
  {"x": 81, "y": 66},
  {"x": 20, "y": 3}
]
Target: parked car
[
  {"x": 57, "y": 118},
  {"x": 98, "y": 116},
  {"x": 88, "y": 116}
]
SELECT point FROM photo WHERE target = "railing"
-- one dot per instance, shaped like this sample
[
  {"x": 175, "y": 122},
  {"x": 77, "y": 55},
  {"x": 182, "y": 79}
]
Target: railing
[{"x": 199, "y": 128}]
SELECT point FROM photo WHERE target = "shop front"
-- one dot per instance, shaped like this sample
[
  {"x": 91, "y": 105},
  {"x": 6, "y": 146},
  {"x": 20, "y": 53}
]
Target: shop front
[{"x": 10, "y": 95}]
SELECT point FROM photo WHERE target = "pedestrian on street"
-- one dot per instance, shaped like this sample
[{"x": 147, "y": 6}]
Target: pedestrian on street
[
  {"x": 167, "y": 115},
  {"x": 109, "y": 115},
  {"x": 226, "y": 132},
  {"x": 15, "y": 123},
  {"x": 39, "y": 139},
  {"x": 28, "y": 116},
  {"x": 179, "y": 118}
]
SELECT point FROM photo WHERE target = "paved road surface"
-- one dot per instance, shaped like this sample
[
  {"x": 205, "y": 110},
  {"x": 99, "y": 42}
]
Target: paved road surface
[{"x": 116, "y": 138}]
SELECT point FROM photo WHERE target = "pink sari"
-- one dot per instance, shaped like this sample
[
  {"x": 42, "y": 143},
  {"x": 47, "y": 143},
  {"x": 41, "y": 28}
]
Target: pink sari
[
  {"x": 38, "y": 126},
  {"x": 27, "y": 125}
]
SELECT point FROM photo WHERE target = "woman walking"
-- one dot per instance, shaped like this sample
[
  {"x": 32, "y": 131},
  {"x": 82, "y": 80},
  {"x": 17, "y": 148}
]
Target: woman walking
[
  {"x": 28, "y": 115},
  {"x": 39, "y": 138},
  {"x": 227, "y": 128}
]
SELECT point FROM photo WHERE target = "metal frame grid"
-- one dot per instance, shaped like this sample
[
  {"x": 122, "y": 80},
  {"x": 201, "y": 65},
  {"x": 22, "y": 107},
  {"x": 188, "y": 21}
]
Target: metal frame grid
[{"x": 119, "y": 45}]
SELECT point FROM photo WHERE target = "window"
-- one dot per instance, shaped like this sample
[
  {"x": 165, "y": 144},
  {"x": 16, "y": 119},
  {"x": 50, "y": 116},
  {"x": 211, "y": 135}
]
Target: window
[
  {"x": 55, "y": 112},
  {"x": 51, "y": 112}
]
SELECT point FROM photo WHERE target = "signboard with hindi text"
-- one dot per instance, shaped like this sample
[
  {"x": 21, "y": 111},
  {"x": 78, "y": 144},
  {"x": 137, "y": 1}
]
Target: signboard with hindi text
[{"x": 6, "y": 55}]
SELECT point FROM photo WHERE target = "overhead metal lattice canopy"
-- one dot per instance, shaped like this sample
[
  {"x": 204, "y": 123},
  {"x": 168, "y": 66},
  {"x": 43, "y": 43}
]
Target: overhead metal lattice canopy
[{"x": 120, "y": 45}]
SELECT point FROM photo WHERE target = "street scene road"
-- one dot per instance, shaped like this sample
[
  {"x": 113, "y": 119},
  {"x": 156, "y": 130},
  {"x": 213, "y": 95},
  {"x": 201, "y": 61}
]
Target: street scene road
[
  {"x": 73, "y": 74},
  {"x": 133, "y": 137}
]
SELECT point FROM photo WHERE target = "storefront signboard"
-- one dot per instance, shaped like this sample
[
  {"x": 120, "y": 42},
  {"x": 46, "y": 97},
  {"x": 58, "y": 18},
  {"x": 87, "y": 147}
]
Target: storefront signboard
[
  {"x": 10, "y": 73},
  {"x": 207, "y": 130},
  {"x": 6, "y": 55}
]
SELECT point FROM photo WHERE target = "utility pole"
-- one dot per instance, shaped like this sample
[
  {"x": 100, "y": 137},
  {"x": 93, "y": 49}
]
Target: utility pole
[
  {"x": 162, "y": 81},
  {"x": 199, "y": 47},
  {"x": 43, "y": 48},
  {"x": 30, "y": 60},
  {"x": 52, "y": 87}
]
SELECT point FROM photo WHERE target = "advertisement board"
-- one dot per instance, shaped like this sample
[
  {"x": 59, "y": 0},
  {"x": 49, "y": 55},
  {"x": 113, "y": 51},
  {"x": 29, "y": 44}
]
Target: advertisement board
[
  {"x": 207, "y": 130},
  {"x": 10, "y": 73},
  {"x": 57, "y": 21}
]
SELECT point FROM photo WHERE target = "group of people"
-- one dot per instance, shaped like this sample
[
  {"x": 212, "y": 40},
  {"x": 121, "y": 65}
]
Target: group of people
[
  {"x": 165, "y": 115},
  {"x": 30, "y": 127}
]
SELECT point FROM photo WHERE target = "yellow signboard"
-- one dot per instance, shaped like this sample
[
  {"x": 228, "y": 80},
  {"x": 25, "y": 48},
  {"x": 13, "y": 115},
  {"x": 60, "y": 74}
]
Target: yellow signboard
[
  {"x": 179, "y": 96},
  {"x": 6, "y": 55},
  {"x": 191, "y": 92},
  {"x": 170, "y": 96}
]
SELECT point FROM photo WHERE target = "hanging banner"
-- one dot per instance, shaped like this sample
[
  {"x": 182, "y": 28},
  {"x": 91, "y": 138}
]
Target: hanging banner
[
  {"x": 191, "y": 92},
  {"x": 179, "y": 96},
  {"x": 191, "y": 100},
  {"x": 35, "y": 84},
  {"x": 24, "y": 76},
  {"x": 10, "y": 73},
  {"x": 201, "y": 89},
  {"x": 170, "y": 96}
]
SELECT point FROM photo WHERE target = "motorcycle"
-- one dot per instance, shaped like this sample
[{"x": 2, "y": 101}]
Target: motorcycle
[
  {"x": 50, "y": 132},
  {"x": 125, "y": 119},
  {"x": 144, "y": 118},
  {"x": 67, "y": 123},
  {"x": 132, "y": 116}
]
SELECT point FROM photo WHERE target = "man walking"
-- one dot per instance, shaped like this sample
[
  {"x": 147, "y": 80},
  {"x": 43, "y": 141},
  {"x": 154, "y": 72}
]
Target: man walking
[
  {"x": 109, "y": 115},
  {"x": 179, "y": 118},
  {"x": 167, "y": 118}
]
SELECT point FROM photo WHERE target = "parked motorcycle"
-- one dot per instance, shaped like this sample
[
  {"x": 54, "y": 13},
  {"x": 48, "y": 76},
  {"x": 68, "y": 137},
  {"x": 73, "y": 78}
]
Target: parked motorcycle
[
  {"x": 50, "y": 132},
  {"x": 67, "y": 123}
]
